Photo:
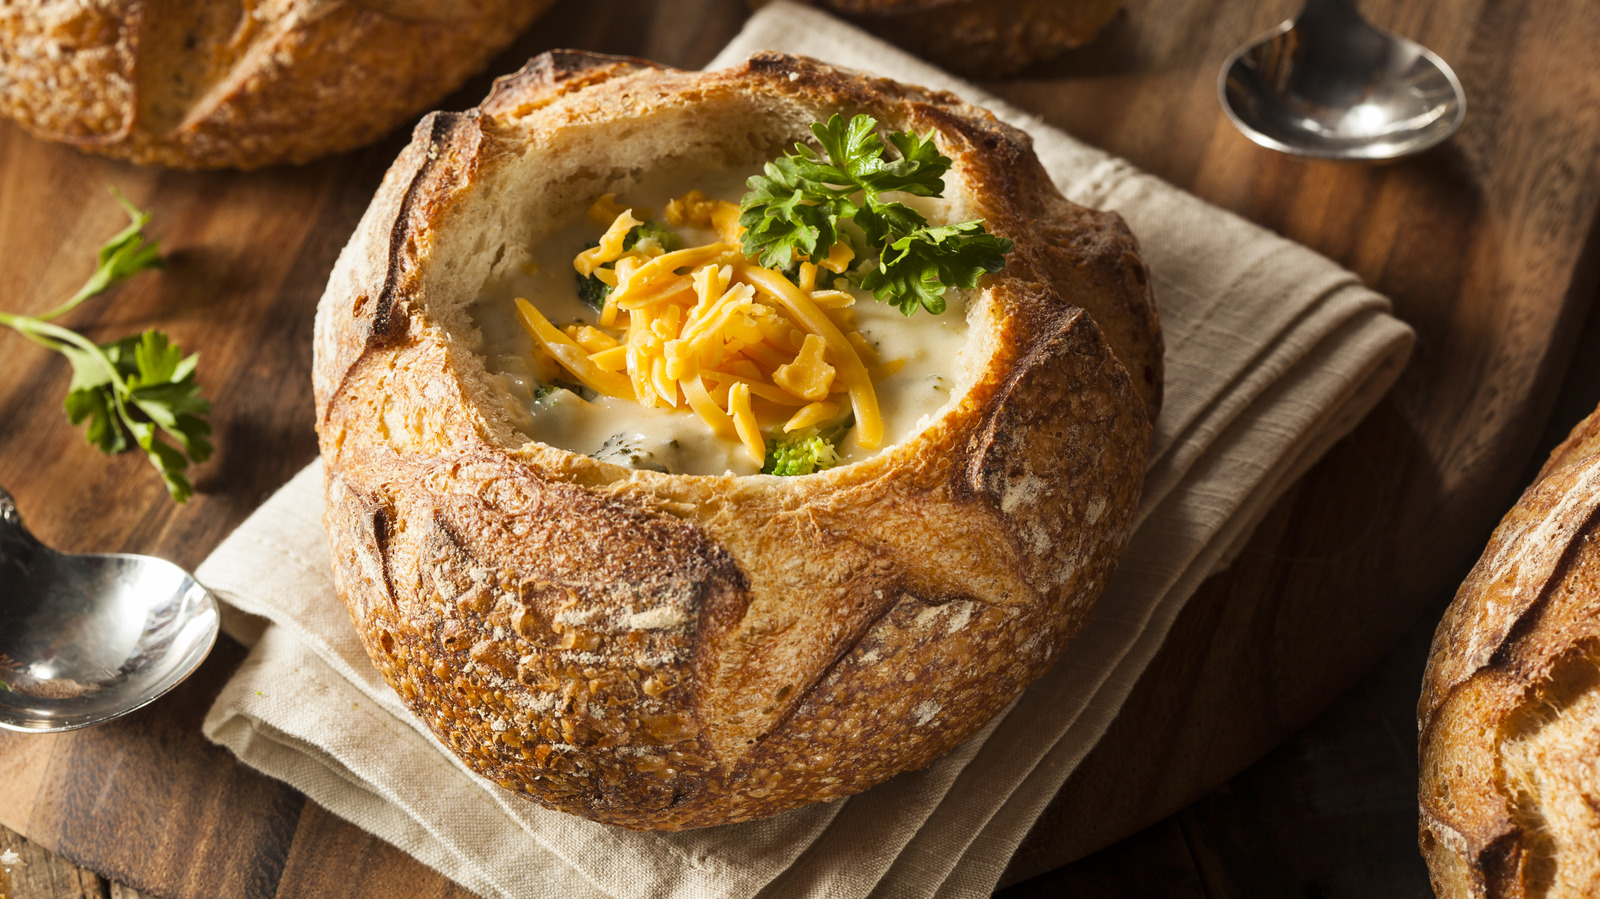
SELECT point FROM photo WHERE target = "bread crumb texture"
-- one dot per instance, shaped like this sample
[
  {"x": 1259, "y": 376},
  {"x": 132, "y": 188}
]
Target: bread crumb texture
[
  {"x": 1509, "y": 717},
  {"x": 671, "y": 651}
]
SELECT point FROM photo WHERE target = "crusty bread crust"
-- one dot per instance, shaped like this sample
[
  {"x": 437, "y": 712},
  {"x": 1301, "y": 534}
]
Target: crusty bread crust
[
  {"x": 665, "y": 651},
  {"x": 982, "y": 38},
  {"x": 204, "y": 84},
  {"x": 1509, "y": 718}
]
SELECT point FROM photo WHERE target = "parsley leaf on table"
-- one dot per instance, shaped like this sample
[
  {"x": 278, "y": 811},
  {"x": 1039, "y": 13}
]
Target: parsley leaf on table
[
  {"x": 795, "y": 209},
  {"x": 137, "y": 391}
]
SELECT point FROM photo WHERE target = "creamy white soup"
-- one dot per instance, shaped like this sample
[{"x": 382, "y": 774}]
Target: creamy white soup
[{"x": 917, "y": 357}]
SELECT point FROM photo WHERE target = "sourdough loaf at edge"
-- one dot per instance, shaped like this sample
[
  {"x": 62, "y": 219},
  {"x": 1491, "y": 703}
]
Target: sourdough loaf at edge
[
  {"x": 198, "y": 84},
  {"x": 661, "y": 651},
  {"x": 1509, "y": 717}
]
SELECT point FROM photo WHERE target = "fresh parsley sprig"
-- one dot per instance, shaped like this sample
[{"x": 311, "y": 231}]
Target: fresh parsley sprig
[
  {"x": 915, "y": 269},
  {"x": 139, "y": 390},
  {"x": 794, "y": 210}
]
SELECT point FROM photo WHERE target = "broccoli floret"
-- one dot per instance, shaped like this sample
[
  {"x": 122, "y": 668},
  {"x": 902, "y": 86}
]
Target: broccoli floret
[
  {"x": 583, "y": 392},
  {"x": 592, "y": 291},
  {"x": 629, "y": 452},
  {"x": 643, "y": 236},
  {"x": 806, "y": 451},
  {"x": 794, "y": 456}
]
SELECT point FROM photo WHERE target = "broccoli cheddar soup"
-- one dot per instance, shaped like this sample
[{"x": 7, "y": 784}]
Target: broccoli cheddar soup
[{"x": 640, "y": 332}]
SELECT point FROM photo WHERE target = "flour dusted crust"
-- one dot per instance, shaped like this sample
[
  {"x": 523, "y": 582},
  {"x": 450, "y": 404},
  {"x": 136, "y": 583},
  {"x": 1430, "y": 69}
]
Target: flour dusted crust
[
  {"x": 667, "y": 651},
  {"x": 1509, "y": 717},
  {"x": 986, "y": 38},
  {"x": 203, "y": 84}
]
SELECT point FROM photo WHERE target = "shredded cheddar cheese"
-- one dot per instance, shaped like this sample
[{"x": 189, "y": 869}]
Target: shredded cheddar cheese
[
  {"x": 811, "y": 415},
  {"x": 808, "y": 376},
  {"x": 605, "y": 210},
  {"x": 706, "y": 330}
]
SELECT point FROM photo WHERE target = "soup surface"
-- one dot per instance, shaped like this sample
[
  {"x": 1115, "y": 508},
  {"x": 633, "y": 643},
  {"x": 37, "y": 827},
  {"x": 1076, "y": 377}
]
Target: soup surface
[{"x": 914, "y": 370}]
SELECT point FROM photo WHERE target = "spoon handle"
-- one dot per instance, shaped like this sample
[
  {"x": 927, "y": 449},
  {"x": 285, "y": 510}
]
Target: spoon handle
[
  {"x": 15, "y": 541},
  {"x": 1335, "y": 18}
]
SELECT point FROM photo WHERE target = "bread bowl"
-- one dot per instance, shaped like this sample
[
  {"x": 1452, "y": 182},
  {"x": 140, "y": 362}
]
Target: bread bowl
[
  {"x": 204, "y": 85},
  {"x": 670, "y": 651},
  {"x": 1509, "y": 717},
  {"x": 982, "y": 38}
]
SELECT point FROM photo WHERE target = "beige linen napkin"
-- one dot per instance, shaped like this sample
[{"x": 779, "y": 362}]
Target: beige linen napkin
[{"x": 1273, "y": 353}]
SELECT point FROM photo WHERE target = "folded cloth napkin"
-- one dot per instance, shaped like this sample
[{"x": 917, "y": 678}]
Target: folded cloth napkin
[{"x": 1273, "y": 353}]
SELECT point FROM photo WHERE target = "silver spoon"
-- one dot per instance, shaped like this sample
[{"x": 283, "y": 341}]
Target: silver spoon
[
  {"x": 1329, "y": 85},
  {"x": 86, "y": 638}
]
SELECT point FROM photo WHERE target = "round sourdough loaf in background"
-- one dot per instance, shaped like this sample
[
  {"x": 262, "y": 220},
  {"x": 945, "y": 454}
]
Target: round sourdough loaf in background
[
  {"x": 1509, "y": 717},
  {"x": 982, "y": 38},
  {"x": 205, "y": 84},
  {"x": 673, "y": 651}
]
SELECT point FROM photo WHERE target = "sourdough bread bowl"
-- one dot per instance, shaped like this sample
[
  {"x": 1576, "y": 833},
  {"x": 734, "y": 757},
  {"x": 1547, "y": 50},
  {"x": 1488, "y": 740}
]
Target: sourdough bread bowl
[
  {"x": 981, "y": 38},
  {"x": 203, "y": 84},
  {"x": 1509, "y": 718},
  {"x": 672, "y": 651}
]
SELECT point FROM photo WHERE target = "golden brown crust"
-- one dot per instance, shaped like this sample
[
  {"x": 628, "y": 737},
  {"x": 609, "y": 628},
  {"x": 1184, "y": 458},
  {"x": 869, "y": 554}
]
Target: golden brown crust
[
  {"x": 200, "y": 84},
  {"x": 1509, "y": 717},
  {"x": 983, "y": 38},
  {"x": 661, "y": 651}
]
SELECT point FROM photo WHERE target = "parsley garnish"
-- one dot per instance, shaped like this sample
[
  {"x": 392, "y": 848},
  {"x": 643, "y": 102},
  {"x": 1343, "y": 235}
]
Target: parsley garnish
[
  {"x": 139, "y": 390},
  {"x": 917, "y": 268},
  {"x": 794, "y": 211}
]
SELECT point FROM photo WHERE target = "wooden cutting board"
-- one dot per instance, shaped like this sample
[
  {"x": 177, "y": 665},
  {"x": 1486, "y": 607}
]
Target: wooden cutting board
[{"x": 1485, "y": 246}]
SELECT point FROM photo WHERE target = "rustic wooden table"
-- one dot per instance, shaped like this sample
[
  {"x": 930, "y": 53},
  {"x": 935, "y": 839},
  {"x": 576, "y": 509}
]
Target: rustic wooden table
[{"x": 1485, "y": 245}]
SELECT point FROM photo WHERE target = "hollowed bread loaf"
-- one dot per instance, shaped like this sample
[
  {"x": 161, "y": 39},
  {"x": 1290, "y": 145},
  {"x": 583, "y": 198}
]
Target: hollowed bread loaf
[
  {"x": 1509, "y": 717},
  {"x": 674, "y": 651},
  {"x": 206, "y": 84}
]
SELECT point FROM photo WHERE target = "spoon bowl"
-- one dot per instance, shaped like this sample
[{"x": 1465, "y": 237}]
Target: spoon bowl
[
  {"x": 1331, "y": 86},
  {"x": 87, "y": 638}
]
